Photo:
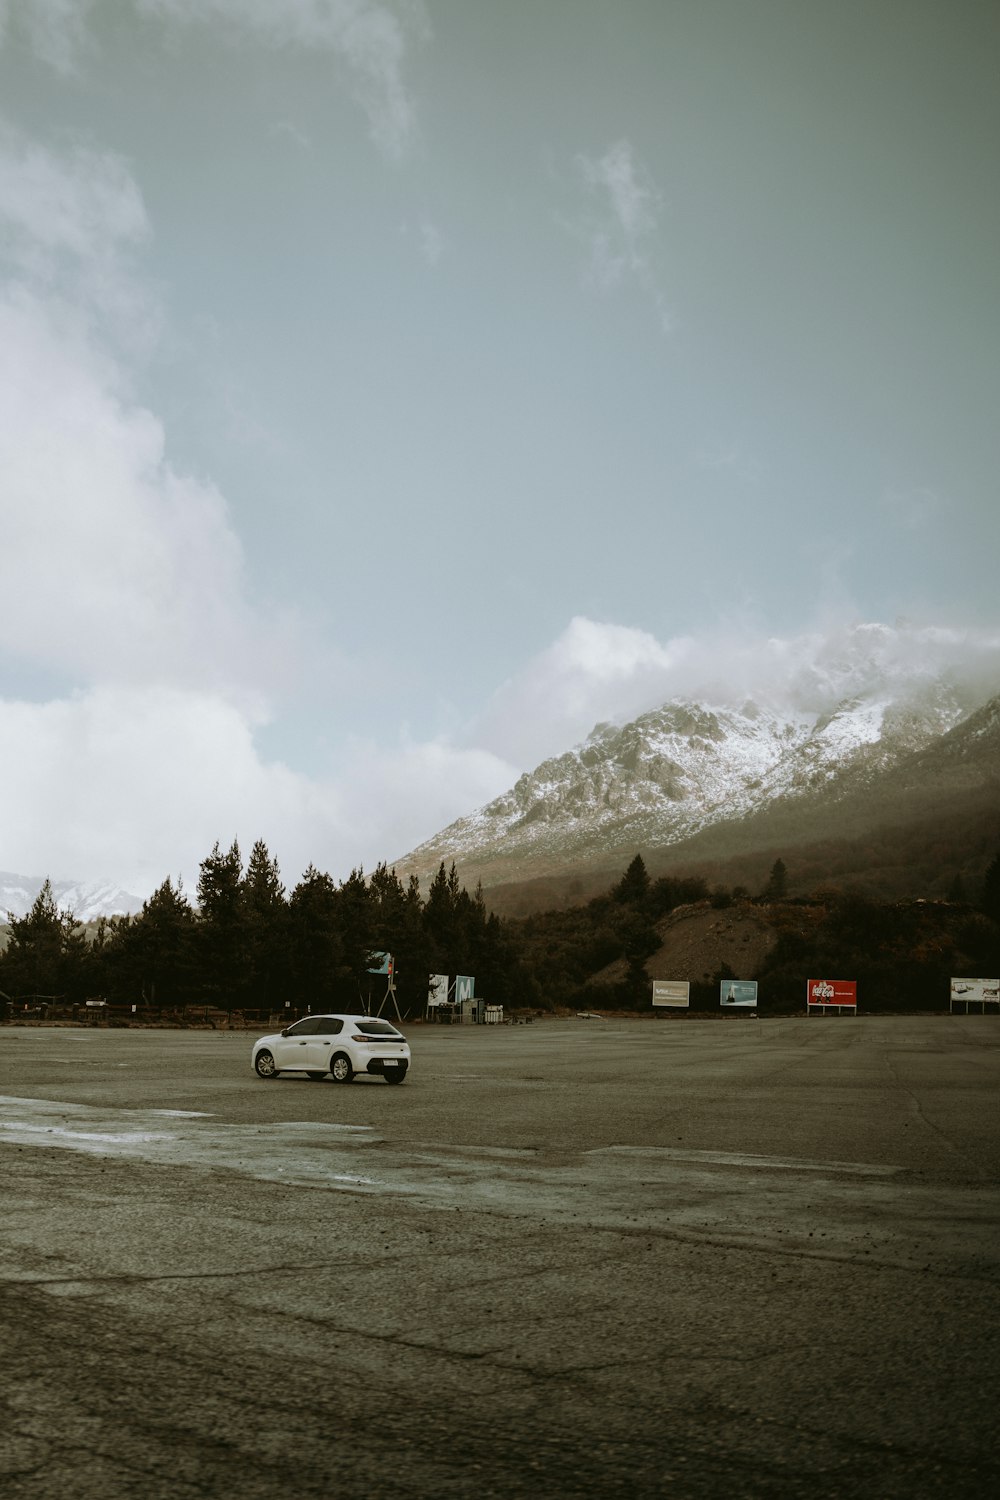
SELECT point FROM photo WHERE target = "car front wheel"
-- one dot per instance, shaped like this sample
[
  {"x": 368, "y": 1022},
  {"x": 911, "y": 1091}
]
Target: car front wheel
[
  {"x": 340, "y": 1068},
  {"x": 264, "y": 1063}
]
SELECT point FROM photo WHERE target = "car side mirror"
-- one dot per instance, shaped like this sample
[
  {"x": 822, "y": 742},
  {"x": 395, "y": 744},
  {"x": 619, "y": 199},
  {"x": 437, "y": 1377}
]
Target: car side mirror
[{"x": 284, "y": 1031}]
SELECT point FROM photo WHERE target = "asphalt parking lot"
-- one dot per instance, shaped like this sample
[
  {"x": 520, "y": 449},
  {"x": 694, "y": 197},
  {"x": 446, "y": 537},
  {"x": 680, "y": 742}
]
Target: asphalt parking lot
[{"x": 579, "y": 1258}]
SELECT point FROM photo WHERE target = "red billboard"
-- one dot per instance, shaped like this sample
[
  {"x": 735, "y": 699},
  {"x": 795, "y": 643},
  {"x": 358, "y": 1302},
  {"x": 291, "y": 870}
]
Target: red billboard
[{"x": 832, "y": 992}]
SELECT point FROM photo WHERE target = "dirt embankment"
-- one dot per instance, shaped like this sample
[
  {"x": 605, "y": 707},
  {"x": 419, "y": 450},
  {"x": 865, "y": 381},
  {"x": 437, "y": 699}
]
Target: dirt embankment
[{"x": 697, "y": 941}]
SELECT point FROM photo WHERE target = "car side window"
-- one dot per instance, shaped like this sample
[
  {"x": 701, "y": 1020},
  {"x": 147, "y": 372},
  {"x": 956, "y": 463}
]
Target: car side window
[
  {"x": 330, "y": 1025},
  {"x": 307, "y": 1027}
]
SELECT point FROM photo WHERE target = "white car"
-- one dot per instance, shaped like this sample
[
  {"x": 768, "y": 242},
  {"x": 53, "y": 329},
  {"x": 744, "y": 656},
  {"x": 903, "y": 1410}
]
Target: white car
[{"x": 336, "y": 1046}]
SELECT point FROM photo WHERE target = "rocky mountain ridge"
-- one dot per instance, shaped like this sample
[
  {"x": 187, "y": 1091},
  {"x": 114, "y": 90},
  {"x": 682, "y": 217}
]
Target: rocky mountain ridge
[{"x": 690, "y": 771}]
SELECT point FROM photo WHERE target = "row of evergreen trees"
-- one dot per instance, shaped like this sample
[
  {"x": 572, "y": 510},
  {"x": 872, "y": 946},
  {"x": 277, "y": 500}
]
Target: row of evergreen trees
[{"x": 246, "y": 944}]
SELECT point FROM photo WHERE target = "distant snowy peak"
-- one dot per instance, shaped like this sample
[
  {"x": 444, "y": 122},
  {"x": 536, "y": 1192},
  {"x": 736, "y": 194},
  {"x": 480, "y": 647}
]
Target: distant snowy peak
[
  {"x": 688, "y": 765},
  {"x": 86, "y": 900}
]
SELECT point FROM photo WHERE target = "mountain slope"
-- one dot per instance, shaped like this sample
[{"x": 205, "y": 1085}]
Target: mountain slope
[{"x": 691, "y": 776}]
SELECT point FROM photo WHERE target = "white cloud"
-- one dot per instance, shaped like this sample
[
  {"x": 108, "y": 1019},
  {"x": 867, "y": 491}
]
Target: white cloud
[
  {"x": 126, "y": 577},
  {"x": 626, "y": 221},
  {"x": 85, "y": 203},
  {"x": 136, "y": 784},
  {"x": 633, "y": 203},
  {"x": 54, "y": 29},
  {"x": 598, "y": 671},
  {"x": 68, "y": 224},
  {"x": 593, "y": 671},
  {"x": 114, "y": 566},
  {"x": 370, "y": 38},
  {"x": 396, "y": 798}
]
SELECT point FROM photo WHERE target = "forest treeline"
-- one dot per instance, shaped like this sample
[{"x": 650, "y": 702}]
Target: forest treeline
[
  {"x": 902, "y": 954},
  {"x": 245, "y": 943}
]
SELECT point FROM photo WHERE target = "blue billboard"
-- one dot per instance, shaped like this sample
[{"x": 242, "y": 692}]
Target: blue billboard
[{"x": 734, "y": 992}]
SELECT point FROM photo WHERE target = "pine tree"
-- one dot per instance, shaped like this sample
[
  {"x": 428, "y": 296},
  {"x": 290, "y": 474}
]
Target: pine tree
[
  {"x": 410, "y": 945},
  {"x": 45, "y": 953},
  {"x": 386, "y": 903},
  {"x": 222, "y": 927},
  {"x": 265, "y": 911},
  {"x": 160, "y": 944},
  {"x": 777, "y": 884},
  {"x": 356, "y": 914},
  {"x": 633, "y": 888},
  {"x": 316, "y": 953},
  {"x": 439, "y": 913}
]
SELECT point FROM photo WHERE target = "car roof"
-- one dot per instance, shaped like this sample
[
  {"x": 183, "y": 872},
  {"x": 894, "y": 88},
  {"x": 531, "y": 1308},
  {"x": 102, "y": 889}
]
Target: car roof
[{"x": 345, "y": 1015}]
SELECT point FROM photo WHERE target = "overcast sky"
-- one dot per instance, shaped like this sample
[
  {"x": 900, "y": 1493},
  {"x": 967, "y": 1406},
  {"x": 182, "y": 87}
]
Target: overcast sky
[{"x": 390, "y": 391}]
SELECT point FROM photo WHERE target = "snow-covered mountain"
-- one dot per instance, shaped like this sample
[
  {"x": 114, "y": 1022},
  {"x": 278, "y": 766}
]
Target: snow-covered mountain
[
  {"x": 685, "y": 767},
  {"x": 87, "y": 900}
]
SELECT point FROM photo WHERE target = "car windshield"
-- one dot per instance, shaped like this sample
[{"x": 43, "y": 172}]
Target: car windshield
[{"x": 377, "y": 1028}]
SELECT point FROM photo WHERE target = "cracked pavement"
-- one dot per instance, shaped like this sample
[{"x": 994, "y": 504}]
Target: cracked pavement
[{"x": 576, "y": 1259}]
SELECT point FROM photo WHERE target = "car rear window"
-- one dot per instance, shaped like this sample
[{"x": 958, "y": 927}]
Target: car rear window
[{"x": 377, "y": 1028}]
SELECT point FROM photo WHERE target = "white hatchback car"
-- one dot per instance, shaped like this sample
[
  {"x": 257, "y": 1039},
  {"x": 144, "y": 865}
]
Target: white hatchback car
[{"x": 336, "y": 1046}]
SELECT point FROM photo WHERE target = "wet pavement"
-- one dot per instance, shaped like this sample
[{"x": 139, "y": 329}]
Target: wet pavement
[{"x": 578, "y": 1258}]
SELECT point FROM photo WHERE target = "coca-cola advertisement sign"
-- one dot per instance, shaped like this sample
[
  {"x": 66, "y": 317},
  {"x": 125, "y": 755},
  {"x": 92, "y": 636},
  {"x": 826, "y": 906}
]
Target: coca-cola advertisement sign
[{"x": 832, "y": 992}]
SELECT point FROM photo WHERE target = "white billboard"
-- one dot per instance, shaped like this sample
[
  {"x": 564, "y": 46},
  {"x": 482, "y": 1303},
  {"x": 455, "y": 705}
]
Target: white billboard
[
  {"x": 671, "y": 992},
  {"x": 437, "y": 990},
  {"x": 975, "y": 991}
]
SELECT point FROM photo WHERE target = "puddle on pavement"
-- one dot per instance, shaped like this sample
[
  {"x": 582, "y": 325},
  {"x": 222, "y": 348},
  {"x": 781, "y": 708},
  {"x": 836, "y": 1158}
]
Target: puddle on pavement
[{"x": 821, "y": 1210}]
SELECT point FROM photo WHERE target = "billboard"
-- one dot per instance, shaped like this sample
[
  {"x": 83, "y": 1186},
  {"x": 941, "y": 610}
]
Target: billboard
[
  {"x": 437, "y": 989},
  {"x": 465, "y": 986},
  {"x": 381, "y": 964},
  {"x": 734, "y": 992},
  {"x": 978, "y": 991},
  {"x": 671, "y": 992},
  {"x": 832, "y": 992}
]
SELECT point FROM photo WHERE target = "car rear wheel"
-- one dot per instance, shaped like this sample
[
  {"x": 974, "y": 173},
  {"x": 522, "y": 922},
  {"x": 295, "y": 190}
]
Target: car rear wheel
[
  {"x": 264, "y": 1063},
  {"x": 340, "y": 1068},
  {"x": 394, "y": 1075}
]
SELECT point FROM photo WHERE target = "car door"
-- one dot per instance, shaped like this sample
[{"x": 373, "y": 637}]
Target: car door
[
  {"x": 295, "y": 1049},
  {"x": 323, "y": 1043}
]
